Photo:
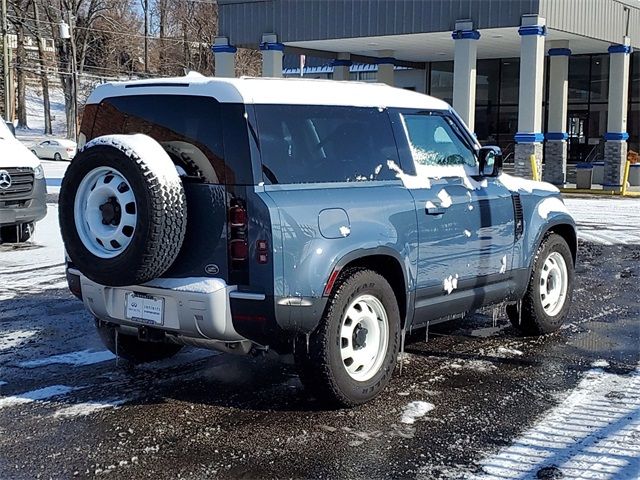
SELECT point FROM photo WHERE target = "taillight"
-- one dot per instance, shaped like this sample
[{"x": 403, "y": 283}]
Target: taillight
[
  {"x": 239, "y": 250},
  {"x": 238, "y": 217},
  {"x": 238, "y": 223},
  {"x": 262, "y": 251}
]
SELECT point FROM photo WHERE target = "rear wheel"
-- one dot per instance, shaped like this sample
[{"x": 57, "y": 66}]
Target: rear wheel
[
  {"x": 548, "y": 298},
  {"x": 352, "y": 354},
  {"x": 132, "y": 349}
]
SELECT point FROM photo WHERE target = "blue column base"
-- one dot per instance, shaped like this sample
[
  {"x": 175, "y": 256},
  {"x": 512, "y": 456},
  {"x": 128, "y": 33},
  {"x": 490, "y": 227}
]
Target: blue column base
[{"x": 529, "y": 137}]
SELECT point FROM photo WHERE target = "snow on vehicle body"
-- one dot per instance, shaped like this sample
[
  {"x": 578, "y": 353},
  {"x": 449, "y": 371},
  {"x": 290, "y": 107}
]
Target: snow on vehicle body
[
  {"x": 22, "y": 189},
  {"x": 317, "y": 217}
]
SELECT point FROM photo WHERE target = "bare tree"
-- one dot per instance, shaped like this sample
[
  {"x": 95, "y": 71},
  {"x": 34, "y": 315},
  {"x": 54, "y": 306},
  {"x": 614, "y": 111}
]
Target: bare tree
[
  {"x": 19, "y": 20},
  {"x": 43, "y": 70}
]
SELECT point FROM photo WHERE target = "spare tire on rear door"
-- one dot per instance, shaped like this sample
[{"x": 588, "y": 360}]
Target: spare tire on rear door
[{"x": 123, "y": 210}]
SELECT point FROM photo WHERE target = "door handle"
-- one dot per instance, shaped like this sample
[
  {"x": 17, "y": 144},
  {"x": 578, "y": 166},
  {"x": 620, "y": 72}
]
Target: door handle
[{"x": 434, "y": 210}]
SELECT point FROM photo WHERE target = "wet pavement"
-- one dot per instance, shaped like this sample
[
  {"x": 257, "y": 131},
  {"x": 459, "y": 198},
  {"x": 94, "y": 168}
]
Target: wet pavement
[{"x": 208, "y": 415}]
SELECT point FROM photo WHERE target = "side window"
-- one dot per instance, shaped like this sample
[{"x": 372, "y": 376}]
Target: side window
[
  {"x": 434, "y": 142},
  {"x": 311, "y": 144},
  {"x": 190, "y": 129}
]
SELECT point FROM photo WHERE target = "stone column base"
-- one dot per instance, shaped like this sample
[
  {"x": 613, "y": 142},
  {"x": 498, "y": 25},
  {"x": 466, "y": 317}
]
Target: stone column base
[
  {"x": 615, "y": 157},
  {"x": 555, "y": 162},
  {"x": 522, "y": 163}
]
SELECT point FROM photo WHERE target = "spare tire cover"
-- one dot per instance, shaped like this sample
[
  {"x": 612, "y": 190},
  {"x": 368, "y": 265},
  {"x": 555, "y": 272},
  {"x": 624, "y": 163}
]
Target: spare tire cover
[{"x": 123, "y": 210}]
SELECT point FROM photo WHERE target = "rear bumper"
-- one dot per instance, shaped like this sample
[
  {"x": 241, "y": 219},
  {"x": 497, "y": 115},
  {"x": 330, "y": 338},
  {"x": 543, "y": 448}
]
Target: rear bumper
[
  {"x": 193, "y": 308},
  {"x": 31, "y": 209}
]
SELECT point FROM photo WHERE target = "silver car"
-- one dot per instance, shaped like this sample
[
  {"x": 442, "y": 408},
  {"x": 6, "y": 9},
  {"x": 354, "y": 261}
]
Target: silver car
[{"x": 57, "y": 149}]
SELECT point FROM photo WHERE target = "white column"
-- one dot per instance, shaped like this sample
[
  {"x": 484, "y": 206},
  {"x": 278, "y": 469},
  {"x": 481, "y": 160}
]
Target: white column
[
  {"x": 615, "y": 148},
  {"x": 386, "y": 64},
  {"x": 555, "y": 168},
  {"x": 529, "y": 137},
  {"x": 341, "y": 67},
  {"x": 272, "y": 53},
  {"x": 464, "y": 71},
  {"x": 225, "y": 57}
]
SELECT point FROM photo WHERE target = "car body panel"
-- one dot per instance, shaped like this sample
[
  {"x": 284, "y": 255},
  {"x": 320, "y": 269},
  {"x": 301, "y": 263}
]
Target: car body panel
[{"x": 313, "y": 231}]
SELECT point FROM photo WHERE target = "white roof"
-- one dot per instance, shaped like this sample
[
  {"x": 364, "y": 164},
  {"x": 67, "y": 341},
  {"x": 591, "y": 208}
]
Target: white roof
[{"x": 289, "y": 91}]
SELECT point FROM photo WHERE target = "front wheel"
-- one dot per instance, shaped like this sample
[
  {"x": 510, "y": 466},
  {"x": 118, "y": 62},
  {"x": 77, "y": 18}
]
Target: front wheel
[
  {"x": 131, "y": 349},
  {"x": 351, "y": 356},
  {"x": 548, "y": 298}
]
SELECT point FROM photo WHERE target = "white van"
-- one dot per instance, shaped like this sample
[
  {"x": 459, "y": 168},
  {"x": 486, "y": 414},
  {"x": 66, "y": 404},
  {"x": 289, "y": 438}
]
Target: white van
[{"x": 23, "y": 190}]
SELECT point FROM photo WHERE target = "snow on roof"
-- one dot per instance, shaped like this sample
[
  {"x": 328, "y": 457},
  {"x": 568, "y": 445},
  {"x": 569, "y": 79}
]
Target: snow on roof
[{"x": 291, "y": 91}]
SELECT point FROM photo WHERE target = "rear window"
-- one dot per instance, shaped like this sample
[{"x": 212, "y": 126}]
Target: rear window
[
  {"x": 190, "y": 128},
  {"x": 310, "y": 144}
]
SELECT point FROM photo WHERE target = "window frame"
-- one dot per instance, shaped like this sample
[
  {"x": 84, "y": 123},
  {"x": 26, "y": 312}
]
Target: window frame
[
  {"x": 403, "y": 142},
  {"x": 268, "y": 184}
]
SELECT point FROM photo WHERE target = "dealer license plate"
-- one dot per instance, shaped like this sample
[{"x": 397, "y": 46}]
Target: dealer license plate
[{"x": 145, "y": 308}]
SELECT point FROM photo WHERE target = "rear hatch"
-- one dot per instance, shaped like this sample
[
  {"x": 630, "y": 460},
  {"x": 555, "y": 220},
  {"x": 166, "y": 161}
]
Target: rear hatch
[{"x": 193, "y": 130}]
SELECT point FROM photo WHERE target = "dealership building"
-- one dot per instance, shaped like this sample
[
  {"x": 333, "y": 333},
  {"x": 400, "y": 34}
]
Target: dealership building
[{"x": 555, "y": 78}]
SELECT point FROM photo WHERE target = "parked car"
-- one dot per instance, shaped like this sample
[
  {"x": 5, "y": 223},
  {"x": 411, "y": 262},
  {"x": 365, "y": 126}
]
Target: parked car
[
  {"x": 22, "y": 189},
  {"x": 58, "y": 149},
  {"x": 311, "y": 217}
]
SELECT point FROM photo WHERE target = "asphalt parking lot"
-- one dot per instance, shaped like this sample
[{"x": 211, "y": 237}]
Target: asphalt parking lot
[{"x": 475, "y": 400}]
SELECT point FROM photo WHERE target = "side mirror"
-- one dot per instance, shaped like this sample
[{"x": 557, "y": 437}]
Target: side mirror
[
  {"x": 490, "y": 160},
  {"x": 11, "y": 128}
]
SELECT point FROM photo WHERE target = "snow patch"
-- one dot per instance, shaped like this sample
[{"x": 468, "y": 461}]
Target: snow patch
[
  {"x": 409, "y": 181},
  {"x": 445, "y": 198},
  {"x": 40, "y": 394},
  {"x": 155, "y": 157},
  {"x": 478, "y": 365},
  {"x": 345, "y": 231},
  {"x": 593, "y": 434},
  {"x": 450, "y": 283},
  {"x": 87, "y": 408},
  {"x": 189, "y": 284},
  {"x": 77, "y": 359},
  {"x": 415, "y": 410},
  {"x": 467, "y": 233},
  {"x": 600, "y": 364},
  {"x": 14, "y": 339},
  {"x": 518, "y": 184},
  {"x": 551, "y": 204},
  {"x": 509, "y": 351}
]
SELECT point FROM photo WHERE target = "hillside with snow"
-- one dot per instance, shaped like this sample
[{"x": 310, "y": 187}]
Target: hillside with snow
[{"x": 35, "y": 112}]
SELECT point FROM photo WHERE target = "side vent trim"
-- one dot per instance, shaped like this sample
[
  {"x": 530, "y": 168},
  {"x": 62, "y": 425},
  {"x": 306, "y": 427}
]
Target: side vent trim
[{"x": 518, "y": 215}]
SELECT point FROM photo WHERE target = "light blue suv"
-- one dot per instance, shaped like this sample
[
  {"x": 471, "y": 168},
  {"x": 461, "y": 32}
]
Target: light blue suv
[{"x": 317, "y": 218}]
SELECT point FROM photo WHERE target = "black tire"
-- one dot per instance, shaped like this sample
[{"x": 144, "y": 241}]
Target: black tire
[
  {"x": 132, "y": 349},
  {"x": 161, "y": 213},
  {"x": 17, "y": 233},
  {"x": 533, "y": 319},
  {"x": 57, "y": 157},
  {"x": 321, "y": 368}
]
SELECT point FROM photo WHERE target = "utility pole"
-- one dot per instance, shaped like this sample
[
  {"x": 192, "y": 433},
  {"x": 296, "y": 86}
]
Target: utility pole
[
  {"x": 5, "y": 63},
  {"x": 74, "y": 72},
  {"x": 146, "y": 36}
]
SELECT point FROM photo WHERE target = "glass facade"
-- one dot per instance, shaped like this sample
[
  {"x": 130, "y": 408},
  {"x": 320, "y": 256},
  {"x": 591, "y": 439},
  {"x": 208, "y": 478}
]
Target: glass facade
[{"x": 497, "y": 101}]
